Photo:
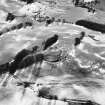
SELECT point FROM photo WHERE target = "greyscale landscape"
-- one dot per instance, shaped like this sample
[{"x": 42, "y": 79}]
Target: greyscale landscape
[{"x": 52, "y": 52}]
